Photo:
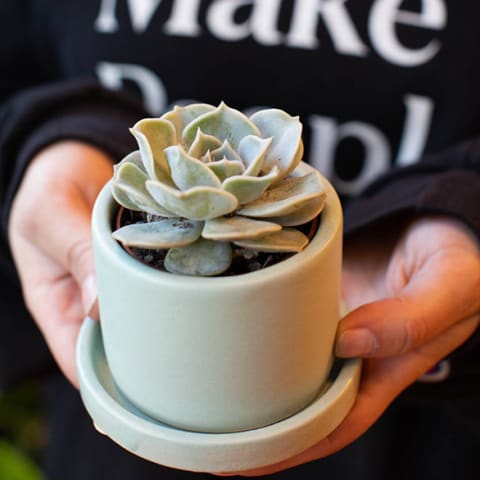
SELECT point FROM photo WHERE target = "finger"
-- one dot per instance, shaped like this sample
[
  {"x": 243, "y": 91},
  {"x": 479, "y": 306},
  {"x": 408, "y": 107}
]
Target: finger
[
  {"x": 382, "y": 381},
  {"x": 53, "y": 208},
  {"x": 69, "y": 242},
  {"x": 64, "y": 236},
  {"x": 385, "y": 379},
  {"x": 54, "y": 302},
  {"x": 49, "y": 232},
  {"x": 438, "y": 296},
  {"x": 61, "y": 334}
]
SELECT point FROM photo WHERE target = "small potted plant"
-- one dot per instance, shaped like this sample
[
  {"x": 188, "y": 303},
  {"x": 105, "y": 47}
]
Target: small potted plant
[{"x": 218, "y": 258}]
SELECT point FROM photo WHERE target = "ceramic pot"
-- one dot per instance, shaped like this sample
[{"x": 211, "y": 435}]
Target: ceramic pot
[{"x": 220, "y": 354}]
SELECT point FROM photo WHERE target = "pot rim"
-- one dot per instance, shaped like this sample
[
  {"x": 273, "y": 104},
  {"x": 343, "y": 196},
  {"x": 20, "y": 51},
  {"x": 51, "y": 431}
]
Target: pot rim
[{"x": 330, "y": 224}]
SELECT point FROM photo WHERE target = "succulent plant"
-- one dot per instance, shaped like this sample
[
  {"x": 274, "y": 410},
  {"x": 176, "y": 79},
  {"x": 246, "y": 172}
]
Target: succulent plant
[{"x": 209, "y": 177}]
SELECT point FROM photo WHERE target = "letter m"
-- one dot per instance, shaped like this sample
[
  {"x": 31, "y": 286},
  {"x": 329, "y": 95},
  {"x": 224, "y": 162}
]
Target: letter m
[{"x": 140, "y": 11}]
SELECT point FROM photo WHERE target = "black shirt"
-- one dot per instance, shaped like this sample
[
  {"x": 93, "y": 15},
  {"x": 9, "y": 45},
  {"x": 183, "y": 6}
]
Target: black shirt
[{"x": 388, "y": 92}]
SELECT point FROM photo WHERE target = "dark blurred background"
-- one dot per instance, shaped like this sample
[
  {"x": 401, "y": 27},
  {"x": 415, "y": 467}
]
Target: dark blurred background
[{"x": 23, "y": 433}]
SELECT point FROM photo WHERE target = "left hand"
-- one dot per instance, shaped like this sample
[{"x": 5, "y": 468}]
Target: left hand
[
  {"x": 415, "y": 297},
  {"x": 49, "y": 233}
]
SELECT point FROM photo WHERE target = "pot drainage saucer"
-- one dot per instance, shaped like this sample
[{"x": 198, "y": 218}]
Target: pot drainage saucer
[{"x": 114, "y": 416}]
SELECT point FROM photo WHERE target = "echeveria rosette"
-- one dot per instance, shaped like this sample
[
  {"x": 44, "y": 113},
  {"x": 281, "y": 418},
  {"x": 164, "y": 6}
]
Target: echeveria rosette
[{"x": 211, "y": 177}]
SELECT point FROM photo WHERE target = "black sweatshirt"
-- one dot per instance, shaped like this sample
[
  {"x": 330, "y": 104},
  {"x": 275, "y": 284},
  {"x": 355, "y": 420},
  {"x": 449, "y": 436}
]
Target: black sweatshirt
[{"x": 388, "y": 92}]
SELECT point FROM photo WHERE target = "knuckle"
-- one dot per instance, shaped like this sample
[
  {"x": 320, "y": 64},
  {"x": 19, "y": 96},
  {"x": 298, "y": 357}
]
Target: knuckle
[
  {"x": 415, "y": 333},
  {"x": 78, "y": 256}
]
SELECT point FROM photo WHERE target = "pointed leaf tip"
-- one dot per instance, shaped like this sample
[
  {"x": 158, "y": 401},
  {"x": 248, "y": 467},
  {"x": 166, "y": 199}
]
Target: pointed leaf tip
[
  {"x": 224, "y": 123},
  {"x": 286, "y": 150},
  {"x": 187, "y": 171},
  {"x": 153, "y": 135}
]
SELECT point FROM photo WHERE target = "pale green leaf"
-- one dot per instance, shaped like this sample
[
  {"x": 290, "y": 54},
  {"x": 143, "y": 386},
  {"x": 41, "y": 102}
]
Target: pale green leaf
[
  {"x": 225, "y": 168},
  {"x": 286, "y": 240},
  {"x": 202, "y": 258},
  {"x": 207, "y": 158},
  {"x": 288, "y": 196},
  {"x": 134, "y": 157},
  {"x": 252, "y": 150},
  {"x": 225, "y": 151},
  {"x": 153, "y": 135},
  {"x": 203, "y": 144},
  {"x": 132, "y": 175},
  {"x": 188, "y": 172},
  {"x": 286, "y": 150},
  {"x": 224, "y": 122},
  {"x": 237, "y": 228},
  {"x": 248, "y": 189},
  {"x": 166, "y": 233},
  {"x": 307, "y": 212},
  {"x": 129, "y": 190},
  {"x": 182, "y": 116},
  {"x": 198, "y": 203},
  {"x": 133, "y": 200}
]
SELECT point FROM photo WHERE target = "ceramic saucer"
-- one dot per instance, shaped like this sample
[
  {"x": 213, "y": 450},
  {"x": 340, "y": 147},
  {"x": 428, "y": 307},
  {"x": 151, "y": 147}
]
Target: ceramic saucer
[{"x": 114, "y": 416}]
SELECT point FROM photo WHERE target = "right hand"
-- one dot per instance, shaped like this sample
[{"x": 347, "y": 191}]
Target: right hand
[
  {"x": 416, "y": 291},
  {"x": 49, "y": 233}
]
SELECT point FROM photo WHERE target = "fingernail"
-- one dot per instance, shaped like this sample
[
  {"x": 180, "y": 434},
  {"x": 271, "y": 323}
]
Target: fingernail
[
  {"x": 89, "y": 293},
  {"x": 93, "y": 311},
  {"x": 358, "y": 342}
]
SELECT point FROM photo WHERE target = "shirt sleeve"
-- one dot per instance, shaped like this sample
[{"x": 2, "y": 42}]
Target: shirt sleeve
[{"x": 446, "y": 183}]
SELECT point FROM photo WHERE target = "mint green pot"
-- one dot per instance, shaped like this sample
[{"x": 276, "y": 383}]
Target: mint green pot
[{"x": 220, "y": 354}]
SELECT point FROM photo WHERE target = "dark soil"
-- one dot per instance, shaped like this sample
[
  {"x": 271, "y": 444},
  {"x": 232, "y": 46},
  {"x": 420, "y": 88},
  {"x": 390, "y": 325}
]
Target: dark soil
[{"x": 244, "y": 260}]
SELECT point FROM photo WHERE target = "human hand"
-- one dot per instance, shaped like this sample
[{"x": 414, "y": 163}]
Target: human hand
[
  {"x": 49, "y": 233},
  {"x": 415, "y": 297}
]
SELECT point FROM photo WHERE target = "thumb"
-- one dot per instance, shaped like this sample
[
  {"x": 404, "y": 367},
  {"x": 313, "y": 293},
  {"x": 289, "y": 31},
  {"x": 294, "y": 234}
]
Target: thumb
[
  {"x": 382, "y": 328},
  {"x": 429, "y": 305}
]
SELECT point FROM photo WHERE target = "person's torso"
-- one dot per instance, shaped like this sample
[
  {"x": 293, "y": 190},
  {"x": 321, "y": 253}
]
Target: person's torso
[{"x": 375, "y": 82}]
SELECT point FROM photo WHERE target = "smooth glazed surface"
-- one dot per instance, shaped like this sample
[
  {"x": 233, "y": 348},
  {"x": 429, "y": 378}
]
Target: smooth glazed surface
[
  {"x": 117, "y": 418},
  {"x": 220, "y": 354}
]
